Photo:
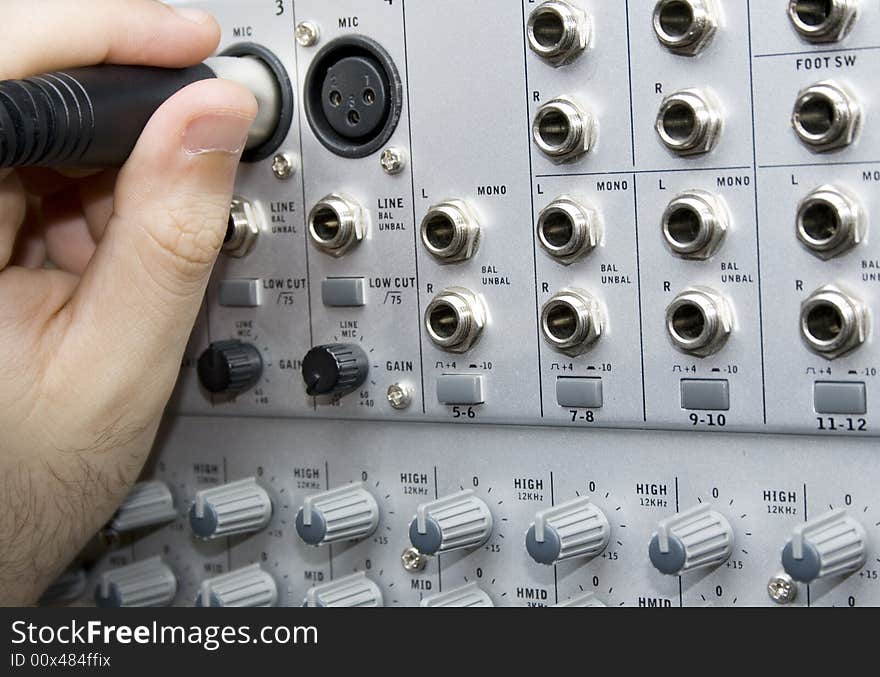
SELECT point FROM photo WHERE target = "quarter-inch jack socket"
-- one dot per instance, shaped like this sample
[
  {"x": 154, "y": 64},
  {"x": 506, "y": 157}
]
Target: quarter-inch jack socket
[
  {"x": 685, "y": 27},
  {"x": 699, "y": 322},
  {"x": 830, "y": 222},
  {"x": 833, "y": 323},
  {"x": 336, "y": 224},
  {"x": 558, "y": 32},
  {"x": 690, "y": 122}
]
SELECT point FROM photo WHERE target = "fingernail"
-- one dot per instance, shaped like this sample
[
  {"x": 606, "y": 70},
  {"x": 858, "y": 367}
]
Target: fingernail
[
  {"x": 217, "y": 133},
  {"x": 198, "y": 16}
]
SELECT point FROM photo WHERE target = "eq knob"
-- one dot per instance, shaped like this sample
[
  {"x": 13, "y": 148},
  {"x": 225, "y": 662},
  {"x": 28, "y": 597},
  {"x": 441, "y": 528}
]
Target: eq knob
[
  {"x": 237, "y": 508},
  {"x": 147, "y": 504},
  {"x": 576, "y": 528},
  {"x": 247, "y": 587},
  {"x": 693, "y": 539},
  {"x": 470, "y": 595},
  {"x": 68, "y": 587},
  {"x": 833, "y": 544},
  {"x": 347, "y": 513},
  {"x": 230, "y": 367},
  {"x": 352, "y": 591},
  {"x": 334, "y": 370},
  {"x": 451, "y": 523},
  {"x": 586, "y": 600},
  {"x": 147, "y": 583}
]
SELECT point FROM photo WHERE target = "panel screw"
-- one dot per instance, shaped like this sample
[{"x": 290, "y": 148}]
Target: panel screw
[
  {"x": 307, "y": 34},
  {"x": 413, "y": 561},
  {"x": 393, "y": 160},
  {"x": 399, "y": 396},
  {"x": 782, "y": 589},
  {"x": 283, "y": 166}
]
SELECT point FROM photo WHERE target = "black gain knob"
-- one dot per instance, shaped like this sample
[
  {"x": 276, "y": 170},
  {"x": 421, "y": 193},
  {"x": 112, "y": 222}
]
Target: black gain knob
[
  {"x": 230, "y": 367},
  {"x": 334, "y": 370}
]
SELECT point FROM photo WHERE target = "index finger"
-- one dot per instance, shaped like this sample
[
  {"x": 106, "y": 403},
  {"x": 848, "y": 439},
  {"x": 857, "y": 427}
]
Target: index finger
[{"x": 49, "y": 35}]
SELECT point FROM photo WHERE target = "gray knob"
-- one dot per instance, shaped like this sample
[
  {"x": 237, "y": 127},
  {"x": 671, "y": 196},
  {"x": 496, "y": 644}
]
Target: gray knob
[
  {"x": 247, "y": 587},
  {"x": 574, "y": 529},
  {"x": 147, "y": 504},
  {"x": 68, "y": 587},
  {"x": 588, "y": 599},
  {"x": 238, "y": 508},
  {"x": 451, "y": 523},
  {"x": 346, "y": 513},
  {"x": 352, "y": 591},
  {"x": 833, "y": 544},
  {"x": 143, "y": 584},
  {"x": 470, "y": 595},
  {"x": 696, "y": 538}
]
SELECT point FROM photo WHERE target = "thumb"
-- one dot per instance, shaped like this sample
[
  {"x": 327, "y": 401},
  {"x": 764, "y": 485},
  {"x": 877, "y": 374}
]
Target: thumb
[{"x": 135, "y": 307}]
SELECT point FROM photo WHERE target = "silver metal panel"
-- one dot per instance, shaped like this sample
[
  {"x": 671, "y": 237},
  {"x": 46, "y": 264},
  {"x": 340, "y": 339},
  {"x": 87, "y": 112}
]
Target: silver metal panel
[
  {"x": 471, "y": 88},
  {"x": 764, "y": 484}
]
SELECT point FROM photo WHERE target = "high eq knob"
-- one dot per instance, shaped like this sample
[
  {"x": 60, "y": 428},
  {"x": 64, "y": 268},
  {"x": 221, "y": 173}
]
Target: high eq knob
[
  {"x": 470, "y": 595},
  {"x": 451, "y": 523},
  {"x": 247, "y": 587},
  {"x": 68, "y": 587},
  {"x": 352, "y": 591},
  {"x": 143, "y": 584},
  {"x": 347, "y": 513},
  {"x": 230, "y": 367},
  {"x": 238, "y": 508},
  {"x": 693, "y": 539},
  {"x": 574, "y": 529},
  {"x": 334, "y": 370},
  {"x": 833, "y": 544},
  {"x": 147, "y": 504}
]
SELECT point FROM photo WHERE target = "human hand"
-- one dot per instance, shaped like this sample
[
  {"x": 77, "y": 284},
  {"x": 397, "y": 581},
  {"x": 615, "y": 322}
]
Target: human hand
[{"x": 93, "y": 343}]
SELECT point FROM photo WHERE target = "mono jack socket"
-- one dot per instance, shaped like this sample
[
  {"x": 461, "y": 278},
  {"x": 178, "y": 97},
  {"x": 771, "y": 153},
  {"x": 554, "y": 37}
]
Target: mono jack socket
[
  {"x": 242, "y": 230},
  {"x": 568, "y": 230},
  {"x": 572, "y": 321},
  {"x": 826, "y": 116},
  {"x": 450, "y": 231},
  {"x": 695, "y": 224},
  {"x": 455, "y": 319},
  {"x": 564, "y": 131},
  {"x": 336, "y": 224},
  {"x": 830, "y": 222},
  {"x": 823, "y": 21},
  {"x": 558, "y": 32},
  {"x": 833, "y": 323},
  {"x": 685, "y": 27},
  {"x": 690, "y": 122},
  {"x": 699, "y": 322}
]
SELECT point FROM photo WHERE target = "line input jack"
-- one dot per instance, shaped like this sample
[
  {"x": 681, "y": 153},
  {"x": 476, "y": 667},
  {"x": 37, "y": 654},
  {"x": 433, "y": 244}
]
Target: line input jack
[
  {"x": 830, "y": 222},
  {"x": 823, "y": 21},
  {"x": 455, "y": 319},
  {"x": 558, "y": 32},
  {"x": 685, "y": 27},
  {"x": 336, "y": 224},
  {"x": 833, "y": 323},
  {"x": 242, "y": 229},
  {"x": 563, "y": 131},
  {"x": 690, "y": 122},
  {"x": 699, "y": 322},
  {"x": 826, "y": 117},
  {"x": 450, "y": 231},
  {"x": 572, "y": 321},
  {"x": 695, "y": 224},
  {"x": 568, "y": 230}
]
